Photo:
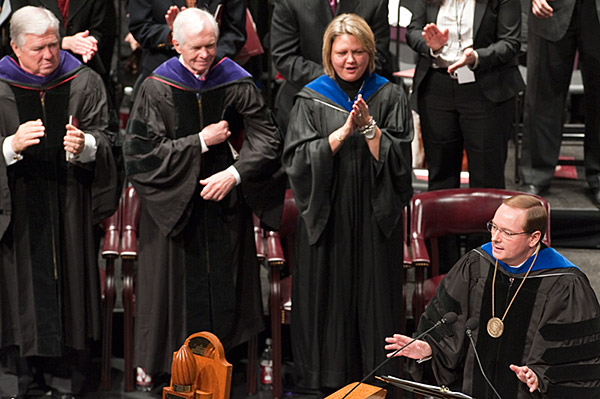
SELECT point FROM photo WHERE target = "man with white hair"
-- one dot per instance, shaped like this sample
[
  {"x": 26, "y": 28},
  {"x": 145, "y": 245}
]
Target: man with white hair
[
  {"x": 199, "y": 180},
  {"x": 57, "y": 179}
]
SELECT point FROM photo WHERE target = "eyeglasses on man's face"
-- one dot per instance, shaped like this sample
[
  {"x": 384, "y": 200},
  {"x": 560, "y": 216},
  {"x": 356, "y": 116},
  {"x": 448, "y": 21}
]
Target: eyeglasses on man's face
[{"x": 491, "y": 226}]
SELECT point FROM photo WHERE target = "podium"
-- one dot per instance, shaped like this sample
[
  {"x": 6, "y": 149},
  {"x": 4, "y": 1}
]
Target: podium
[
  {"x": 363, "y": 391},
  {"x": 200, "y": 370},
  {"x": 423, "y": 389}
]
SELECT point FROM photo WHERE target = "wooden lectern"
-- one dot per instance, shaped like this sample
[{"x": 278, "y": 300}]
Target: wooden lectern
[
  {"x": 200, "y": 370},
  {"x": 361, "y": 391}
]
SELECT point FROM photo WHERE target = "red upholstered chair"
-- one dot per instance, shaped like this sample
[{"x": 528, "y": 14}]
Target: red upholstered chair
[
  {"x": 129, "y": 253},
  {"x": 110, "y": 252},
  {"x": 261, "y": 254},
  {"x": 280, "y": 255},
  {"x": 439, "y": 213}
]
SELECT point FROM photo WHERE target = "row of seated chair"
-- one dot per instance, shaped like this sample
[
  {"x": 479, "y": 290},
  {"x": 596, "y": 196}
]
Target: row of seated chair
[
  {"x": 430, "y": 215},
  {"x": 120, "y": 240}
]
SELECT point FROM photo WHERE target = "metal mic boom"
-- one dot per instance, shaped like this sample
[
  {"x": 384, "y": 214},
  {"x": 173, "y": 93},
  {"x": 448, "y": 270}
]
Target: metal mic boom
[
  {"x": 449, "y": 318},
  {"x": 471, "y": 325}
]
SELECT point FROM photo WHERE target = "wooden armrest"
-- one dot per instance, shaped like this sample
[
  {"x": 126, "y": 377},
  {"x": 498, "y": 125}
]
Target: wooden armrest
[
  {"x": 112, "y": 235},
  {"x": 275, "y": 255},
  {"x": 420, "y": 256},
  {"x": 407, "y": 260},
  {"x": 131, "y": 219}
]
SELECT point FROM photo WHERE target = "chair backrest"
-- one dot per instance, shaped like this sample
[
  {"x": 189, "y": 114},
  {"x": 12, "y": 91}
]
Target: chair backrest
[{"x": 458, "y": 211}]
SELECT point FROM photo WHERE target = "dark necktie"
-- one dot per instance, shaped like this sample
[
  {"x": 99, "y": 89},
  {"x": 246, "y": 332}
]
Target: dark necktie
[
  {"x": 333, "y": 5},
  {"x": 63, "y": 6}
]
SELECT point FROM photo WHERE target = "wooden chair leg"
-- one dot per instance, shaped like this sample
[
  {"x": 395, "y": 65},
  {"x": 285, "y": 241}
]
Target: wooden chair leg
[
  {"x": 128, "y": 316},
  {"x": 276, "y": 319},
  {"x": 418, "y": 297},
  {"x": 251, "y": 377},
  {"x": 108, "y": 307}
]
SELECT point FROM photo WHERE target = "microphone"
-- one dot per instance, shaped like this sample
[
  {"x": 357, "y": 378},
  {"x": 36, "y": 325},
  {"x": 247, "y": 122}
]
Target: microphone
[
  {"x": 471, "y": 325},
  {"x": 449, "y": 318}
]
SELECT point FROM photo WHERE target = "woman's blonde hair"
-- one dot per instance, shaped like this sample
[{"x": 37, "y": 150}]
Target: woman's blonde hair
[{"x": 348, "y": 24}]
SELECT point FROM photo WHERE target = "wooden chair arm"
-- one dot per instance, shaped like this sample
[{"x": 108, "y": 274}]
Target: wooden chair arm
[
  {"x": 275, "y": 255},
  {"x": 420, "y": 256},
  {"x": 131, "y": 219},
  {"x": 112, "y": 235}
]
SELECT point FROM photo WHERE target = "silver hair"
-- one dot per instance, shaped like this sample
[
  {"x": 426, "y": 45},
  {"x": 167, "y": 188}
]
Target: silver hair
[
  {"x": 191, "y": 21},
  {"x": 31, "y": 20}
]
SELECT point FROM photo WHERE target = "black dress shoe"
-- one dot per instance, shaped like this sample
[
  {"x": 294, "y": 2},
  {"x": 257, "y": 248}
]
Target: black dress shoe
[
  {"x": 596, "y": 196},
  {"x": 533, "y": 189},
  {"x": 61, "y": 395}
]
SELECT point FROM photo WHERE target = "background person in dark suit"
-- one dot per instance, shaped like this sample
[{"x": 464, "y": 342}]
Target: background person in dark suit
[
  {"x": 148, "y": 25},
  {"x": 297, "y": 29},
  {"x": 557, "y": 29},
  {"x": 483, "y": 38},
  {"x": 81, "y": 27},
  {"x": 5, "y": 10}
]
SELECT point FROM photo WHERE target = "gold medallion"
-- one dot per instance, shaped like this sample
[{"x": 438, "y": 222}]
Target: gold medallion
[{"x": 495, "y": 327}]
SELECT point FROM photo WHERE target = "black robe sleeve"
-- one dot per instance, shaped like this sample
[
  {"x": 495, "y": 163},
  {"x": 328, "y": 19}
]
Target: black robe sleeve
[
  {"x": 163, "y": 169},
  {"x": 392, "y": 177},
  {"x": 90, "y": 105},
  {"x": 308, "y": 162},
  {"x": 259, "y": 166}
]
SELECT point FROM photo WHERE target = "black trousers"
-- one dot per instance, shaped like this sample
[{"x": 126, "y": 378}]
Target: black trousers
[
  {"x": 36, "y": 375},
  {"x": 456, "y": 116},
  {"x": 549, "y": 69}
]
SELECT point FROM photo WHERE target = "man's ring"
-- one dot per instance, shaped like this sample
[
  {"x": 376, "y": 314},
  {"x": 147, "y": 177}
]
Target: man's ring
[{"x": 360, "y": 115}]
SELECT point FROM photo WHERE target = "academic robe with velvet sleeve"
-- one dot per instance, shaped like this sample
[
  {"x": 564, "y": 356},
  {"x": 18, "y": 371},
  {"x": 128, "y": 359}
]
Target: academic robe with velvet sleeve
[
  {"x": 197, "y": 267},
  {"x": 553, "y": 327},
  {"x": 49, "y": 288},
  {"x": 347, "y": 286}
]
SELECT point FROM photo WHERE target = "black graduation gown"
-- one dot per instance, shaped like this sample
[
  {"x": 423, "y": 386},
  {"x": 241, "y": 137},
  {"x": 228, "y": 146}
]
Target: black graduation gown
[
  {"x": 347, "y": 286},
  {"x": 553, "y": 327},
  {"x": 197, "y": 267},
  {"x": 49, "y": 288}
]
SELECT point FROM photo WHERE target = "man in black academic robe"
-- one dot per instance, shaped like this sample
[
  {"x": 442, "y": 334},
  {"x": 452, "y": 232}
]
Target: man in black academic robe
[
  {"x": 533, "y": 316},
  {"x": 57, "y": 179},
  {"x": 197, "y": 267}
]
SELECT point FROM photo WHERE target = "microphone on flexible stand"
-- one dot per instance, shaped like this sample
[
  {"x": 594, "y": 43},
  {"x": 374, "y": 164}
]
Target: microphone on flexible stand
[
  {"x": 449, "y": 318},
  {"x": 471, "y": 325}
]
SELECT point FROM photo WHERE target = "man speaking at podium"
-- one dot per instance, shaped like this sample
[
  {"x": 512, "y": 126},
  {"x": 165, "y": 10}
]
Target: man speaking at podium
[{"x": 532, "y": 314}]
